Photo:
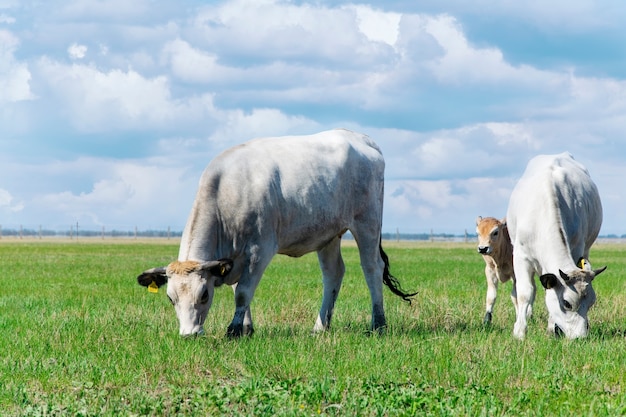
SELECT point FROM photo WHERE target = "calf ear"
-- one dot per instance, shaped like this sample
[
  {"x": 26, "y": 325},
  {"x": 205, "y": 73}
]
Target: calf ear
[
  {"x": 478, "y": 219},
  {"x": 156, "y": 275},
  {"x": 549, "y": 281}
]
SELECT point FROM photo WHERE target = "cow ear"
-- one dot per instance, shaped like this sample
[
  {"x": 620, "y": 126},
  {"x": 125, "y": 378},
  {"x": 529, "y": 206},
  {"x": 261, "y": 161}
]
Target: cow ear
[
  {"x": 549, "y": 281},
  {"x": 156, "y": 275},
  {"x": 478, "y": 220},
  {"x": 564, "y": 275},
  {"x": 219, "y": 268}
]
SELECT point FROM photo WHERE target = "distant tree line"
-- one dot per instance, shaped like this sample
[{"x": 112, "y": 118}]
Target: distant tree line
[
  {"x": 424, "y": 236},
  {"x": 75, "y": 231}
]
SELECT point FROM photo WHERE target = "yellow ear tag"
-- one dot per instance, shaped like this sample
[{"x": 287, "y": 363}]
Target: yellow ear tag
[
  {"x": 584, "y": 264},
  {"x": 153, "y": 288},
  {"x": 222, "y": 270}
]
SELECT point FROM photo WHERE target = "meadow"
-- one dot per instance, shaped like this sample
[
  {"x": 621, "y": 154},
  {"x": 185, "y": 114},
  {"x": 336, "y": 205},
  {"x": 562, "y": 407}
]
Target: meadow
[{"x": 81, "y": 338}]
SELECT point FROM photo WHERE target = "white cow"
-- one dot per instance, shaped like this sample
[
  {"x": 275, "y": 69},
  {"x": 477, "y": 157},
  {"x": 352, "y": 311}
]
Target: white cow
[
  {"x": 287, "y": 195},
  {"x": 494, "y": 244},
  {"x": 554, "y": 217}
]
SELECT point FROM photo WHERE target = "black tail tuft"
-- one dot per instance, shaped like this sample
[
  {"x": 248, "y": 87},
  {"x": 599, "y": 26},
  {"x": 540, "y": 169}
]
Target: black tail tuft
[{"x": 392, "y": 282}]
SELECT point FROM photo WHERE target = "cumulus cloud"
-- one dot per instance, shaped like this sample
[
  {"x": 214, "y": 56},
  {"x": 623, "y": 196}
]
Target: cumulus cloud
[
  {"x": 135, "y": 194},
  {"x": 76, "y": 51},
  {"x": 7, "y": 203},
  {"x": 302, "y": 32},
  {"x": 239, "y": 126},
  {"x": 14, "y": 75},
  {"x": 415, "y": 206},
  {"x": 118, "y": 10},
  {"x": 378, "y": 25},
  {"x": 456, "y": 117},
  {"x": 194, "y": 65},
  {"x": 118, "y": 99}
]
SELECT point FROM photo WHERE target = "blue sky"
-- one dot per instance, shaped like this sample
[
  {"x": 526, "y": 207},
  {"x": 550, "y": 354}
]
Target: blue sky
[{"x": 110, "y": 110}]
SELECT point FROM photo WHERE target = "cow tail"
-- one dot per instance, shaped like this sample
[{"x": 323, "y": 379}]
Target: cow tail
[{"x": 392, "y": 282}]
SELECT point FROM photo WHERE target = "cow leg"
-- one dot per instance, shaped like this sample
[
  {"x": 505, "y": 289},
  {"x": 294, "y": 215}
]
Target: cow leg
[
  {"x": 248, "y": 327},
  {"x": 492, "y": 293},
  {"x": 514, "y": 294},
  {"x": 333, "y": 269},
  {"x": 373, "y": 269},
  {"x": 244, "y": 291},
  {"x": 525, "y": 289}
]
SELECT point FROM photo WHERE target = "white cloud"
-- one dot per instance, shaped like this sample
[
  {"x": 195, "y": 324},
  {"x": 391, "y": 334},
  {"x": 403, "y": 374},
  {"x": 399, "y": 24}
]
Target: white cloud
[
  {"x": 479, "y": 150},
  {"x": 193, "y": 65},
  {"x": 76, "y": 51},
  {"x": 110, "y": 9},
  {"x": 7, "y": 203},
  {"x": 280, "y": 30},
  {"x": 239, "y": 126},
  {"x": 15, "y": 76},
  {"x": 456, "y": 118},
  {"x": 447, "y": 206},
  {"x": 378, "y": 25},
  {"x": 456, "y": 61},
  {"x": 134, "y": 193},
  {"x": 116, "y": 99},
  {"x": 5, "y": 197},
  {"x": 6, "y": 19}
]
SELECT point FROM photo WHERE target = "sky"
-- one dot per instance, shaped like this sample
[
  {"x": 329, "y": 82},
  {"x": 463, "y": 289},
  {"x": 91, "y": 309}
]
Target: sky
[{"x": 111, "y": 109}]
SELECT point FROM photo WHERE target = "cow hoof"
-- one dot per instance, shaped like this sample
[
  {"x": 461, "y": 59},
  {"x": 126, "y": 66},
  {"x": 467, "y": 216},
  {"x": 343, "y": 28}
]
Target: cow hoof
[
  {"x": 234, "y": 332},
  {"x": 487, "y": 319},
  {"x": 519, "y": 333},
  {"x": 248, "y": 330},
  {"x": 378, "y": 331}
]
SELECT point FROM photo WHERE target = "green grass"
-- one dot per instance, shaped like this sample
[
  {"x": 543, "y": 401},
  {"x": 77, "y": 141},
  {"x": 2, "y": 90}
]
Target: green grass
[{"x": 80, "y": 337}]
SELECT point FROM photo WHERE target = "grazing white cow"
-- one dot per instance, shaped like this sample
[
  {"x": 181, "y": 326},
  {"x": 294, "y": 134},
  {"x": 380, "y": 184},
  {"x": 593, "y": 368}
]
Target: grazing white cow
[
  {"x": 554, "y": 216},
  {"x": 287, "y": 195},
  {"x": 494, "y": 244}
]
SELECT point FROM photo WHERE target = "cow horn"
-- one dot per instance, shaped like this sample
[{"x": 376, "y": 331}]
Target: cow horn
[{"x": 598, "y": 271}]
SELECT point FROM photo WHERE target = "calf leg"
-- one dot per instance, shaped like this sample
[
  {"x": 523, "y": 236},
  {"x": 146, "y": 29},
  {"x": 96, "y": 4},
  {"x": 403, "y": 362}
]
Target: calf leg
[
  {"x": 492, "y": 293},
  {"x": 333, "y": 269}
]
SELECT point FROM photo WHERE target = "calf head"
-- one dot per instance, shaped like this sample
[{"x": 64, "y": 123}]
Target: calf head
[
  {"x": 190, "y": 289},
  {"x": 491, "y": 233},
  {"x": 569, "y": 297}
]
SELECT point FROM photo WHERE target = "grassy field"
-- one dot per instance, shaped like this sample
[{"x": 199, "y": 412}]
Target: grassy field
[{"x": 80, "y": 337}]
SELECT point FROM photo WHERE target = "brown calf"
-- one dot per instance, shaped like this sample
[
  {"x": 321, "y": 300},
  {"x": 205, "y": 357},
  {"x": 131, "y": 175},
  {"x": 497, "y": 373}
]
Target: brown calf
[{"x": 494, "y": 244}]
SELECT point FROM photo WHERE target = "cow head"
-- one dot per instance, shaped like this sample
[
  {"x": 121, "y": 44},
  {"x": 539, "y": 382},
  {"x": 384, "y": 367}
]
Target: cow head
[
  {"x": 190, "y": 289},
  {"x": 568, "y": 299},
  {"x": 491, "y": 232}
]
